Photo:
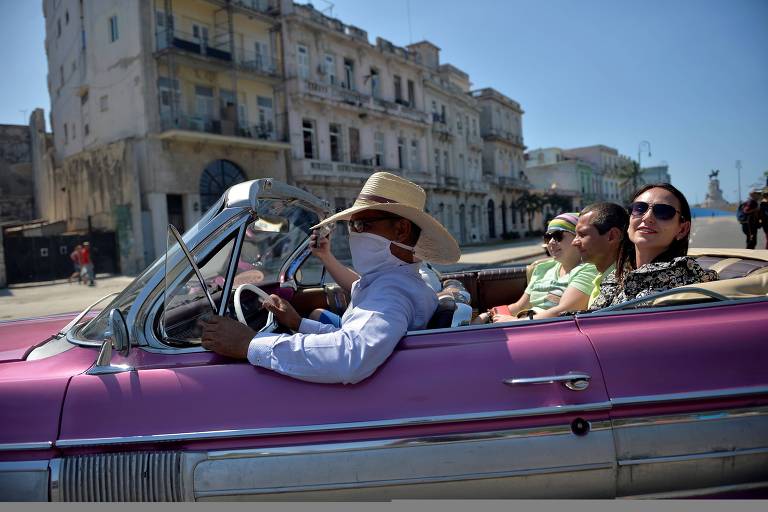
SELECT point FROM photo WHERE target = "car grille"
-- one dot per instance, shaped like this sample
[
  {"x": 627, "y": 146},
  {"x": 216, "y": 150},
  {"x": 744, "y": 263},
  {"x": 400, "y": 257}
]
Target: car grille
[{"x": 122, "y": 477}]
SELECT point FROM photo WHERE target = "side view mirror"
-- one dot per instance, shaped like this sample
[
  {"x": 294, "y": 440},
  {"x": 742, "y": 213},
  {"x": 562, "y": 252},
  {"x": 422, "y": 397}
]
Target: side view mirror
[
  {"x": 119, "y": 330},
  {"x": 117, "y": 337}
]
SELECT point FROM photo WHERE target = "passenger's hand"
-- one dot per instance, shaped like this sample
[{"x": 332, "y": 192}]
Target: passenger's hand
[
  {"x": 226, "y": 337},
  {"x": 283, "y": 311},
  {"x": 320, "y": 245},
  {"x": 503, "y": 318}
]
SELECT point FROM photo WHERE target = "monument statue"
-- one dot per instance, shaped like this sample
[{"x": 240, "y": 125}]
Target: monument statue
[{"x": 714, "y": 197}]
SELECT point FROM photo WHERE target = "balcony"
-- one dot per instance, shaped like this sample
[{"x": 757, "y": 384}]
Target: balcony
[
  {"x": 321, "y": 171},
  {"x": 229, "y": 131},
  {"x": 343, "y": 96},
  {"x": 309, "y": 13},
  {"x": 510, "y": 182},
  {"x": 215, "y": 57},
  {"x": 512, "y": 138}
]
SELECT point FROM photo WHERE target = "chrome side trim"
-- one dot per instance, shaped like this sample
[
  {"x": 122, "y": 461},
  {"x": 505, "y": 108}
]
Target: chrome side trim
[
  {"x": 23, "y": 465},
  {"x": 10, "y": 447},
  {"x": 694, "y": 456},
  {"x": 699, "y": 492},
  {"x": 688, "y": 418},
  {"x": 405, "y": 481},
  {"x": 334, "y": 427},
  {"x": 54, "y": 485},
  {"x": 657, "y": 309},
  {"x": 696, "y": 395},
  {"x": 406, "y": 442}
]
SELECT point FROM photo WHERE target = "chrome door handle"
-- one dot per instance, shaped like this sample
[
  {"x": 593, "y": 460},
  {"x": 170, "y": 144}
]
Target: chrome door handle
[{"x": 576, "y": 381}]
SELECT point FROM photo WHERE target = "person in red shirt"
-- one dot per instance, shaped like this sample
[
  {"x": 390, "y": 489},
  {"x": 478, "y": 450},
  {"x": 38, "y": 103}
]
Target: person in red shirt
[{"x": 86, "y": 264}]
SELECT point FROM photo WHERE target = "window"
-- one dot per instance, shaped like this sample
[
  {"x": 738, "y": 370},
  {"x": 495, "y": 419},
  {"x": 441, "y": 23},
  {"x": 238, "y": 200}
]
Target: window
[
  {"x": 204, "y": 102},
  {"x": 437, "y": 161},
  {"x": 330, "y": 68},
  {"x": 411, "y": 94},
  {"x": 74, "y": 131},
  {"x": 446, "y": 162},
  {"x": 379, "y": 148},
  {"x": 443, "y": 119},
  {"x": 354, "y": 145},
  {"x": 262, "y": 56},
  {"x": 334, "y": 131},
  {"x": 104, "y": 103},
  {"x": 302, "y": 57},
  {"x": 415, "y": 155},
  {"x": 461, "y": 169},
  {"x": 114, "y": 33},
  {"x": 375, "y": 92},
  {"x": 86, "y": 129},
  {"x": 266, "y": 113},
  {"x": 200, "y": 34},
  {"x": 402, "y": 162},
  {"x": 58, "y": 28},
  {"x": 434, "y": 107},
  {"x": 66, "y": 133},
  {"x": 474, "y": 126},
  {"x": 459, "y": 127},
  {"x": 66, "y": 17},
  {"x": 308, "y": 133},
  {"x": 398, "y": 89},
  {"x": 349, "y": 74}
]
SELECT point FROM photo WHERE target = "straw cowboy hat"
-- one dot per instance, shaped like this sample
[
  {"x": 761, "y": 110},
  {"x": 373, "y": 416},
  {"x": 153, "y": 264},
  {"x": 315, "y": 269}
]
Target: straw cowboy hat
[{"x": 390, "y": 193}]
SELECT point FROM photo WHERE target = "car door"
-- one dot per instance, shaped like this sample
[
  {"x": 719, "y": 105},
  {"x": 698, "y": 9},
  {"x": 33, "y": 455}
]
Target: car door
[
  {"x": 689, "y": 392},
  {"x": 441, "y": 418}
]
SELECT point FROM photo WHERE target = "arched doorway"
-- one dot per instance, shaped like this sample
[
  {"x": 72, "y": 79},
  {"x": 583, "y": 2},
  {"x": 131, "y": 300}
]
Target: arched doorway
[
  {"x": 217, "y": 177},
  {"x": 491, "y": 219}
]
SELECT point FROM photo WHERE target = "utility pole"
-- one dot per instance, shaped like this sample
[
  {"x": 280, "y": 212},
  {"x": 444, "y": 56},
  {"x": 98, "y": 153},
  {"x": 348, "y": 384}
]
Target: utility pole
[
  {"x": 738, "y": 174},
  {"x": 639, "y": 165}
]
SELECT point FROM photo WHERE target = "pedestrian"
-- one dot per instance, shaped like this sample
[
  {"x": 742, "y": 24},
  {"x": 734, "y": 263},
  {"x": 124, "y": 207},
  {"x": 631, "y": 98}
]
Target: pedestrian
[
  {"x": 748, "y": 216},
  {"x": 75, "y": 257},
  {"x": 763, "y": 208},
  {"x": 86, "y": 264}
]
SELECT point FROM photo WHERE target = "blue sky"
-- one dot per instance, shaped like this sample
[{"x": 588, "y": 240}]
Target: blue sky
[{"x": 690, "y": 76}]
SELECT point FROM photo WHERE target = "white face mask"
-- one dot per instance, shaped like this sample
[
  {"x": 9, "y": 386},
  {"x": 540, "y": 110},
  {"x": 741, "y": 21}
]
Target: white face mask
[{"x": 370, "y": 253}]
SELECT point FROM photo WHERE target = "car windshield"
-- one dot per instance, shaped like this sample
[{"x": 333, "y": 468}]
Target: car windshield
[
  {"x": 278, "y": 229},
  {"x": 96, "y": 329}
]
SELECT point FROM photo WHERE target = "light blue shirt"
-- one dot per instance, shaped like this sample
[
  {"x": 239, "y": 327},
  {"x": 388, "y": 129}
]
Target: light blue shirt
[{"x": 384, "y": 305}]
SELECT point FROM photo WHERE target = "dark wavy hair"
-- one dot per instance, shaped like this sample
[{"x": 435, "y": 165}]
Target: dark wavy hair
[{"x": 676, "y": 249}]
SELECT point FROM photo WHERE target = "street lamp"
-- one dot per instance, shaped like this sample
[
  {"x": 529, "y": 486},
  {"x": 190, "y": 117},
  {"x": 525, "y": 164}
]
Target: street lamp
[{"x": 639, "y": 165}]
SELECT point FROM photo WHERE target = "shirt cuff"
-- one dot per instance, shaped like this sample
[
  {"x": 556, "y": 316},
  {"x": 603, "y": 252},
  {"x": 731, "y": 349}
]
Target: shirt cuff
[
  {"x": 308, "y": 326},
  {"x": 260, "y": 350}
]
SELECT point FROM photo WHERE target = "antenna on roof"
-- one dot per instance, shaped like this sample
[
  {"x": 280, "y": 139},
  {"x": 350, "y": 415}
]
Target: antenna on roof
[{"x": 328, "y": 10}]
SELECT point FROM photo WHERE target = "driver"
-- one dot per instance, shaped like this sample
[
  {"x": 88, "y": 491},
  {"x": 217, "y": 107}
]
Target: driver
[{"x": 390, "y": 233}]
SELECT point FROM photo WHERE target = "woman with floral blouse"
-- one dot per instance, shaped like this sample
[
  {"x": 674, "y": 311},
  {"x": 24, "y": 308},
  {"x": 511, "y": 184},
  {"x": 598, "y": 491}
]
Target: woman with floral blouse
[{"x": 655, "y": 257}]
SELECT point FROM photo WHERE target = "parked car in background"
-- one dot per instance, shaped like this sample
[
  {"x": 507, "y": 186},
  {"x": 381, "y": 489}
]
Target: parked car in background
[{"x": 664, "y": 398}]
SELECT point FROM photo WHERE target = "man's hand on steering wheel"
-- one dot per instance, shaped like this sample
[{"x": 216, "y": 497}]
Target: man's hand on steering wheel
[{"x": 283, "y": 311}]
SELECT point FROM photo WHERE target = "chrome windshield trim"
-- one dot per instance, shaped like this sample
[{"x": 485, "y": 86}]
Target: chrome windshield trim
[
  {"x": 335, "y": 427},
  {"x": 695, "y": 395},
  {"x": 404, "y": 442},
  {"x": 10, "y": 447},
  {"x": 230, "y": 278},
  {"x": 695, "y": 456},
  {"x": 690, "y": 417}
]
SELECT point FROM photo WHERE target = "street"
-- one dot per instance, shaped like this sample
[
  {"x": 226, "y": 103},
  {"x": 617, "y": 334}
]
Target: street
[{"x": 47, "y": 299}]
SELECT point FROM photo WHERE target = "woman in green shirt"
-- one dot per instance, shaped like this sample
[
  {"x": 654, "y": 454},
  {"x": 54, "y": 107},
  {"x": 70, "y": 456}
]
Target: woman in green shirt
[{"x": 558, "y": 285}]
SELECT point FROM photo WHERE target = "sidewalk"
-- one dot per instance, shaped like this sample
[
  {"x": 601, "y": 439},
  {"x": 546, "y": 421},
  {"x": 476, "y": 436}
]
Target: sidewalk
[{"x": 38, "y": 299}]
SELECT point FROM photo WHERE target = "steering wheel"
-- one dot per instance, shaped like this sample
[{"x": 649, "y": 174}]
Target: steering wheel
[{"x": 271, "y": 324}]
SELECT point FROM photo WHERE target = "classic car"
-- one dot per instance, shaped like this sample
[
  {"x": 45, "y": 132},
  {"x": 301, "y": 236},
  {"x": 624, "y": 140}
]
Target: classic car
[{"x": 664, "y": 398}]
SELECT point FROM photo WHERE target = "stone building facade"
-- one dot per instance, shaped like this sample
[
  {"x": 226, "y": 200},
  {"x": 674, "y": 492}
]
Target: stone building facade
[
  {"x": 169, "y": 102},
  {"x": 17, "y": 202}
]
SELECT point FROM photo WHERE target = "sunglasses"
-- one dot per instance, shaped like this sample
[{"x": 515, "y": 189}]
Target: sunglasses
[
  {"x": 557, "y": 236},
  {"x": 363, "y": 225},
  {"x": 660, "y": 210}
]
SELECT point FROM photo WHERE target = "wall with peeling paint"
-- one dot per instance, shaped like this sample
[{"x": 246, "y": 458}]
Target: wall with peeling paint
[{"x": 16, "y": 176}]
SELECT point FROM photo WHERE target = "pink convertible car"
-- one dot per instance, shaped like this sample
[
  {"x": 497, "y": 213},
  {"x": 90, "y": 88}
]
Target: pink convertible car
[{"x": 665, "y": 398}]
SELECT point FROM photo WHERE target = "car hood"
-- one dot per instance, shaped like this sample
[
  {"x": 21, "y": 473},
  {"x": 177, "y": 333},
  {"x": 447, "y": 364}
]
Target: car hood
[
  {"x": 32, "y": 391},
  {"x": 19, "y": 337}
]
